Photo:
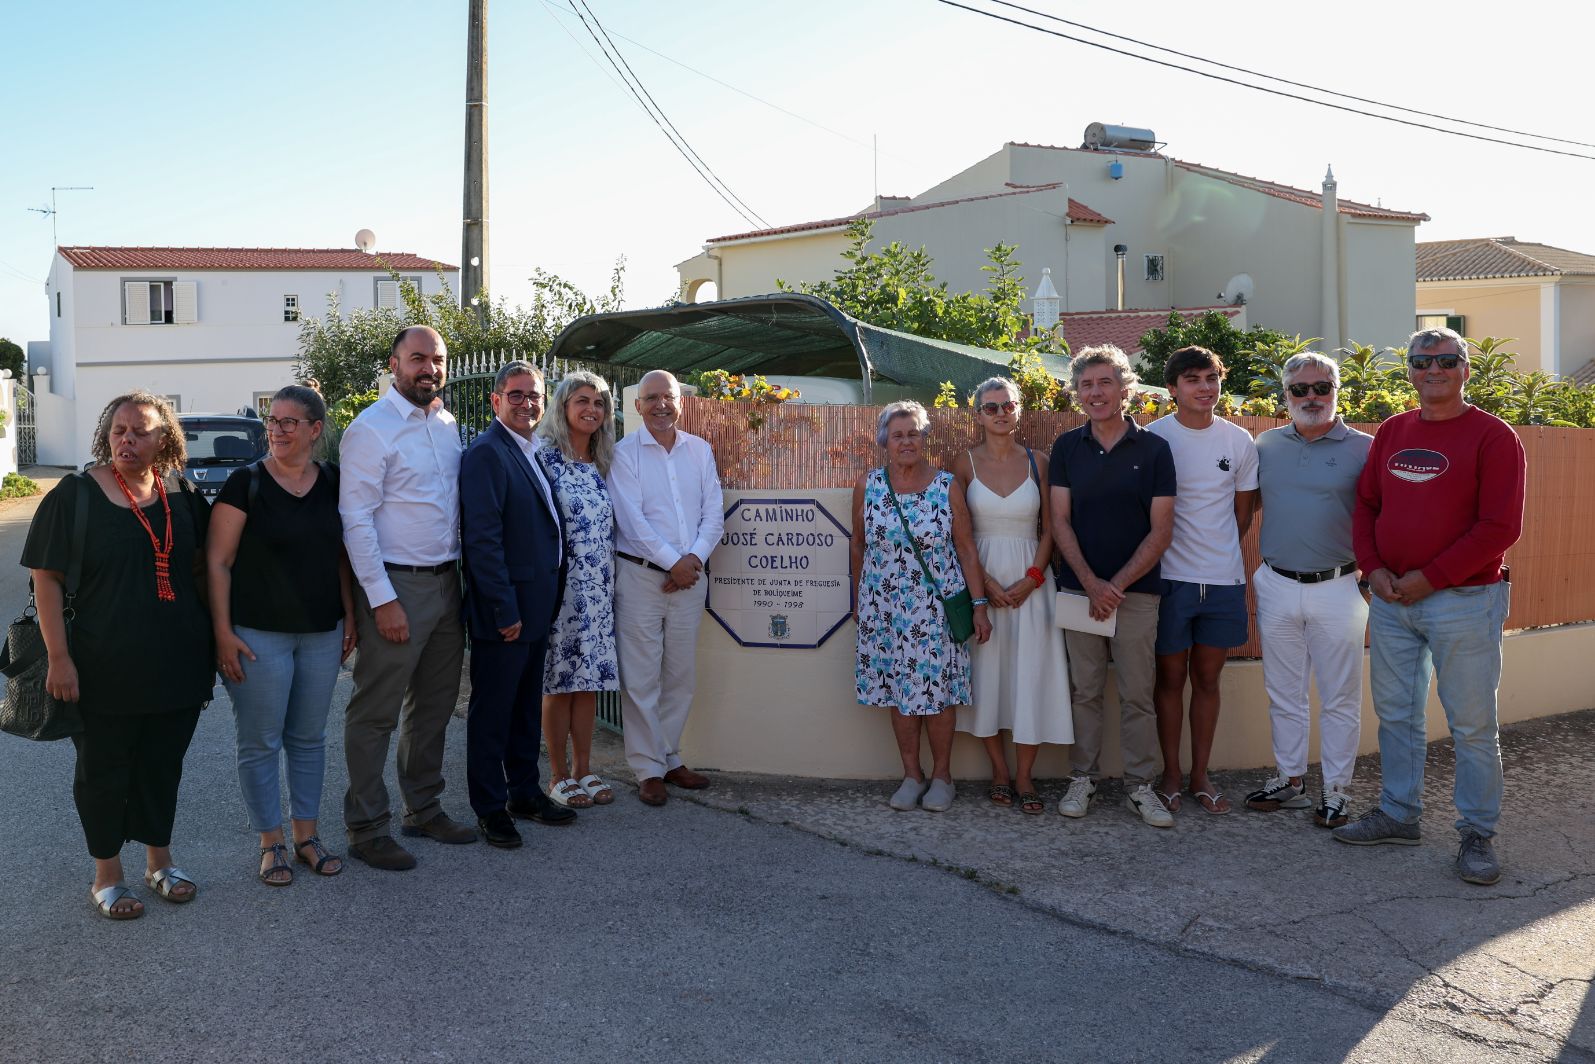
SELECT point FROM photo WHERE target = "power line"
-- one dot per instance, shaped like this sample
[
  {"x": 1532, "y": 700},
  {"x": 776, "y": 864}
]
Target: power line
[
  {"x": 676, "y": 140},
  {"x": 655, "y": 104},
  {"x": 1287, "y": 81},
  {"x": 1264, "y": 88}
]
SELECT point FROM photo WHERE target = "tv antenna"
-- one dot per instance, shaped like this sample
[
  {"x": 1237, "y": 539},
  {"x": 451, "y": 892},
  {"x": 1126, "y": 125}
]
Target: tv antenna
[{"x": 51, "y": 211}]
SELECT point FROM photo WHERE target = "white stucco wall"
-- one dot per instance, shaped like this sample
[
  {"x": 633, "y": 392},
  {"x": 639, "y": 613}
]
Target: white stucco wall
[
  {"x": 1578, "y": 324},
  {"x": 1379, "y": 260}
]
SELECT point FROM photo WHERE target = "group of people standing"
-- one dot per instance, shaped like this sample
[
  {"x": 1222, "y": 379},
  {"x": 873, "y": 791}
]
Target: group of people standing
[
  {"x": 1147, "y": 524},
  {"x": 572, "y": 563}
]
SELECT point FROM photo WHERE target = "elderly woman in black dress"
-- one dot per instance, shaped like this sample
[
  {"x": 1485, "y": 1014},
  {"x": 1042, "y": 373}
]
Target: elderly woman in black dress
[{"x": 136, "y": 656}]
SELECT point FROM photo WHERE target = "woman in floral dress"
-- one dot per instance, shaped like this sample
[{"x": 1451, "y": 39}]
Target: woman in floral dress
[
  {"x": 907, "y": 661},
  {"x": 578, "y": 434}
]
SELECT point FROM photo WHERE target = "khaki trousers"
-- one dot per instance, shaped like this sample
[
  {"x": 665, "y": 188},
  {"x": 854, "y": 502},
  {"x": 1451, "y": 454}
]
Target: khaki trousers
[
  {"x": 1135, "y": 662},
  {"x": 413, "y": 686},
  {"x": 656, "y": 636}
]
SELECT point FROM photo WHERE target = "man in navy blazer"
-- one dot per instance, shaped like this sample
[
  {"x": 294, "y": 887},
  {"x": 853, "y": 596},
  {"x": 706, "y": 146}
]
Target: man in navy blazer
[{"x": 512, "y": 547}]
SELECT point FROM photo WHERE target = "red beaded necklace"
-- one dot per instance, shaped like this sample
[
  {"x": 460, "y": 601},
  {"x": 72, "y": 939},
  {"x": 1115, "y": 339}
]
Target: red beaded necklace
[{"x": 163, "y": 553}]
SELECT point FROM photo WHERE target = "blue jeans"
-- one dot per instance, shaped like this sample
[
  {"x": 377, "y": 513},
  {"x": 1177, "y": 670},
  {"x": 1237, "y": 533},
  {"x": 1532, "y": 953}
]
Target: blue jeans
[
  {"x": 281, "y": 706},
  {"x": 1457, "y": 633}
]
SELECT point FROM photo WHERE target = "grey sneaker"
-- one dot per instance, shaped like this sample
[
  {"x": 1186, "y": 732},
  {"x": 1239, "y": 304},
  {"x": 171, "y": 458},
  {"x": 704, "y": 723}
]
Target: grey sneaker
[
  {"x": 1374, "y": 827},
  {"x": 1279, "y": 793},
  {"x": 907, "y": 795},
  {"x": 938, "y": 797},
  {"x": 1145, "y": 804},
  {"x": 1077, "y": 799},
  {"x": 1476, "y": 861}
]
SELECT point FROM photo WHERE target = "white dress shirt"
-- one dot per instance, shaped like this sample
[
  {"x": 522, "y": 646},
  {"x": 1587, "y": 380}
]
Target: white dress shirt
[
  {"x": 530, "y": 447},
  {"x": 667, "y": 503},
  {"x": 399, "y": 490}
]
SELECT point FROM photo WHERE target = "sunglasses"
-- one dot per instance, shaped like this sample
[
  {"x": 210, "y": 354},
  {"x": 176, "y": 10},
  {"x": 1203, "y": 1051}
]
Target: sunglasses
[
  {"x": 993, "y": 408},
  {"x": 1422, "y": 362},
  {"x": 1316, "y": 387}
]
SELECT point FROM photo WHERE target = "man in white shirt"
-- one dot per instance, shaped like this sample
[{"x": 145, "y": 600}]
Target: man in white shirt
[
  {"x": 1203, "y": 613},
  {"x": 400, "y": 502},
  {"x": 668, "y": 517}
]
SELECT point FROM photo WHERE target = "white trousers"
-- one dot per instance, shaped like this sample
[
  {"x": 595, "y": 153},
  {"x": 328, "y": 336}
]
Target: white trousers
[
  {"x": 656, "y": 639},
  {"x": 1312, "y": 630}
]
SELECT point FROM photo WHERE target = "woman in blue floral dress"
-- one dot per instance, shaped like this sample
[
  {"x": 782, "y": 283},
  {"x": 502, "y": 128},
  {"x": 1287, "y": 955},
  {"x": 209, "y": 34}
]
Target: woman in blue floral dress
[
  {"x": 907, "y": 661},
  {"x": 578, "y": 434}
]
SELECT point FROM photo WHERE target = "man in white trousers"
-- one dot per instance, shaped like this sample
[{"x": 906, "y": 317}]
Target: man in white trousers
[
  {"x": 1311, "y": 613},
  {"x": 668, "y": 518}
]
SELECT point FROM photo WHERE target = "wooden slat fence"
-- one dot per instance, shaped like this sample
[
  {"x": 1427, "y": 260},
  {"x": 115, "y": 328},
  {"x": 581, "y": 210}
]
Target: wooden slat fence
[{"x": 799, "y": 446}]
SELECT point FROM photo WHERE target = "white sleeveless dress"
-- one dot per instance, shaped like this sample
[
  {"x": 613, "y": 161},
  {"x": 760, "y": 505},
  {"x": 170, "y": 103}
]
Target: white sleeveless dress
[{"x": 1020, "y": 676}]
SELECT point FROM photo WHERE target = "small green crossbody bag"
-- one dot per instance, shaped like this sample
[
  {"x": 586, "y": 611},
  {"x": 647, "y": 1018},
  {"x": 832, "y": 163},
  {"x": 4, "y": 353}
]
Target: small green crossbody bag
[{"x": 959, "y": 608}]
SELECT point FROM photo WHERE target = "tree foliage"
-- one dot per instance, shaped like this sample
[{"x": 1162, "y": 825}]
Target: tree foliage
[
  {"x": 1246, "y": 354},
  {"x": 11, "y": 357},
  {"x": 895, "y": 289},
  {"x": 345, "y": 353}
]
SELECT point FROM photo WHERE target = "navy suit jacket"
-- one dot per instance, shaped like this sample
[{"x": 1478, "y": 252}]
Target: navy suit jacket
[{"x": 509, "y": 541}]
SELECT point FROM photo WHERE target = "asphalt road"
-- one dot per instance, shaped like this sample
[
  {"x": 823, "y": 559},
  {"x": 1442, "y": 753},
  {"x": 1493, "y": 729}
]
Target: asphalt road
[{"x": 683, "y": 933}]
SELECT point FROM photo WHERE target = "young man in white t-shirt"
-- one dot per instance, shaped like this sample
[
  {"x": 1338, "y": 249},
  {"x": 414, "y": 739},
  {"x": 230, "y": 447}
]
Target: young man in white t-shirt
[{"x": 1203, "y": 613}]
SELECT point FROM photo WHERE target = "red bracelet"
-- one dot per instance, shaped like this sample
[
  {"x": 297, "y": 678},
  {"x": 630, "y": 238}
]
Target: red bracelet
[{"x": 1034, "y": 574}]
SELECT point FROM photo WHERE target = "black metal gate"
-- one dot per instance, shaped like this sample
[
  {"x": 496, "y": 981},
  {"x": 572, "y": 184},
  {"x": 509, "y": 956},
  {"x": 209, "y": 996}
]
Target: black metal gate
[
  {"x": 27, "y": 428},
  {"x": 467, "y": 395}
]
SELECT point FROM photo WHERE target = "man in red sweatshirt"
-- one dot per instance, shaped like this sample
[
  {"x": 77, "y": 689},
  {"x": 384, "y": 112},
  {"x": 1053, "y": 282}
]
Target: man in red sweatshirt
[{"x": 1438, "y": 504}]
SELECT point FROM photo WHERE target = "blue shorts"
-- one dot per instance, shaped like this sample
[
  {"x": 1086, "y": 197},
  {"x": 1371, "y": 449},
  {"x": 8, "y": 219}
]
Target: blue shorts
[{"x": 1213, "y": 615}]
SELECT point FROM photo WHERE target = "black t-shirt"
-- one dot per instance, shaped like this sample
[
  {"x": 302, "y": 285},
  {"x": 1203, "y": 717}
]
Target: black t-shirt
[
  {"x": 285, "y": 575},
  {"x": 1110, "y": 498},
  {"x": 133, "y": 652}
]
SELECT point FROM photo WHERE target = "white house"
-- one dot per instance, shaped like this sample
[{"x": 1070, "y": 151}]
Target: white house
[
  {"x": 212, "y": 329},
  {"x": 1123, "y": 227}
]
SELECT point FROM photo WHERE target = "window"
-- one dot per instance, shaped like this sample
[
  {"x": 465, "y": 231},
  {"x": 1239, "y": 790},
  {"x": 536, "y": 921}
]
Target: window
[
  {"x": 174, "y": 401},
  {"x": 1154, "y": 267},
  {"x": 388, "y": 295},
  {"x": 1453, "y": 322},
  {"x": 58, "y": 304},
  {"x": 159, "y": 302},
  {"x": 263, "y": 403},
  {"x": 290, "y": 308}
]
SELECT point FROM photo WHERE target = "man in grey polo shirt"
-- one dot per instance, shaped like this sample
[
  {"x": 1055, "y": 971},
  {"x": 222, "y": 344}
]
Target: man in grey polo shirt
[{"x": 1311, "y": 614}]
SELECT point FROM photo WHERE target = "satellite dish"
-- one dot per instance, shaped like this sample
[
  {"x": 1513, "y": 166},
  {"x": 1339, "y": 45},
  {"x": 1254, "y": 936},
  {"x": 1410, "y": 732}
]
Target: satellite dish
[
  {"x": 1238, "y": 291},
  {"x": 365, "y": 240}
]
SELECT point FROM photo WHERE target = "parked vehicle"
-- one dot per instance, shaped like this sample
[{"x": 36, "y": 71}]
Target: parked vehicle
[{"x": 219, "y": 444}]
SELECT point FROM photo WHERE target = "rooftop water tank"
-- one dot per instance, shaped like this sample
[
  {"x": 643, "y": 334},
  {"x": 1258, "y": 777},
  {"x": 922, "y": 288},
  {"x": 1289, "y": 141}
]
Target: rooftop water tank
[{"x": 1102, "y": 137}]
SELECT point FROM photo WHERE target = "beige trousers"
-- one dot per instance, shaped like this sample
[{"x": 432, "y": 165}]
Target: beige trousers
[
  {"x": 1135, "y": 662},
  {"x": 656, "y": 636}
]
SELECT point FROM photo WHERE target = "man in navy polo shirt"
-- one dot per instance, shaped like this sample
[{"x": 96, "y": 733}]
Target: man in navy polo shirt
[{"x": 1112, "y": 498}]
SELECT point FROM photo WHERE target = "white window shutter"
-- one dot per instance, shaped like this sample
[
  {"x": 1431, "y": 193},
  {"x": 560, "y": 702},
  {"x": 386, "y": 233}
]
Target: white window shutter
[
  {"x": 137, "y": 295},
  {"x": 185, "y": 302},
  {"x": 387, "y": 295}
]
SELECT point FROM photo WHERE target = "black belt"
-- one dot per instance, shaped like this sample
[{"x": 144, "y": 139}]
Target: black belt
[
  {"x": 1315, "y": 578},
  {"x": 441, "y": 567},
  {"x": 641, "y": 561}
]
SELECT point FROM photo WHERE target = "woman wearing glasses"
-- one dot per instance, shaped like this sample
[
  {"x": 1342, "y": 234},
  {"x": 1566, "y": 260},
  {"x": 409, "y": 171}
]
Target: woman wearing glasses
[
  {"x": 283, "y": 612},
  {"x": 1020, "y": 679},
  {"x": 579, "y": 443}
]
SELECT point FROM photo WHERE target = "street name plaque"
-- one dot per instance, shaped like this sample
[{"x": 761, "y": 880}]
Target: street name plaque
[{"x": 779, "y": 577}]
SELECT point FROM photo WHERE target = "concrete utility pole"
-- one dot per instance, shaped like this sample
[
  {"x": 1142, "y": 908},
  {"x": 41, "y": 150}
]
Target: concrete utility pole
[{"x": 473, "y": 250}]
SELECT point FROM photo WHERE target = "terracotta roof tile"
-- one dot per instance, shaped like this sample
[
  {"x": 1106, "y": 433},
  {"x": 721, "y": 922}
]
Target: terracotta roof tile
[
  {"x": 1256, "y": 184},
  {"x": 1078, "y": 213},
  {"x": 1123, "y": 328},
  {"x": 1584, "y": 376},
  {"x": 1502, "y": 256},
  {"x": 99, "y": 258}
]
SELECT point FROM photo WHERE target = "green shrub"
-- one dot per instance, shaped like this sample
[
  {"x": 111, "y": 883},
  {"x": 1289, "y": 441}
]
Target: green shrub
[{"x": 17, "y": 486}]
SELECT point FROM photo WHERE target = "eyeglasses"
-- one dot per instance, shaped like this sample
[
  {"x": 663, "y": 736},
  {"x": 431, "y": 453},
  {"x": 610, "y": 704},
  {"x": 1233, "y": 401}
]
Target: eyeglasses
[
  {"x": 992, "y": 408},
  {"x": 1316, "y": 387},
  {"x": 283, "y": 424},
  {"x": 1422, "y": 362},
  {"x": 517, "y": 398}
]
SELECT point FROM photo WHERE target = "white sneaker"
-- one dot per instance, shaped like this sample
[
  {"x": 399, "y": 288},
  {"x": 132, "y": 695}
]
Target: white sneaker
[
  {"x": 1144, "y": 803},
  {"x": 1077, "y": 798}
]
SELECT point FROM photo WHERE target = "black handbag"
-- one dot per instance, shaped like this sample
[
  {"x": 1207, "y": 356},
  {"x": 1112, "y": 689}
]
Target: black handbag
[
  {"x": 960, "y": 608},
  {"x": 29, "y": 710}
]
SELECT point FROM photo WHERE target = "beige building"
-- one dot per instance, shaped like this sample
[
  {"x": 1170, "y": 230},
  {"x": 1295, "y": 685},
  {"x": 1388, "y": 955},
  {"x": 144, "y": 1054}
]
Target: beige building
[
  {"x": 1184, "y": 235},
  {"x": 1542, "y": 296}
]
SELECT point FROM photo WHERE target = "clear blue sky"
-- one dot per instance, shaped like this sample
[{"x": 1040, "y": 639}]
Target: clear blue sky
[{"x": 297, "y": 123}]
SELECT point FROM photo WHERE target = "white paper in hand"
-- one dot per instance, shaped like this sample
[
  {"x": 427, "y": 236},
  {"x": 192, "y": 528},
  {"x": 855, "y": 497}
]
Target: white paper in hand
[{"x": 1073, "y": 611}]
